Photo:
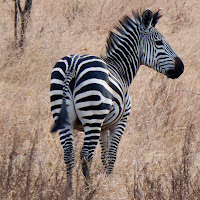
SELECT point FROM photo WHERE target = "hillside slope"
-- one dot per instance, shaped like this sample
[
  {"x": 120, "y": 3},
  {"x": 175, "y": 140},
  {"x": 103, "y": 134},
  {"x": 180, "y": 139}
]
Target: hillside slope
[{"x": 159, "y": 154}]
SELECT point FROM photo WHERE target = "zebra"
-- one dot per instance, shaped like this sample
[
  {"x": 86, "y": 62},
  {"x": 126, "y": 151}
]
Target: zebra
[{"x": 91, "y": 94}]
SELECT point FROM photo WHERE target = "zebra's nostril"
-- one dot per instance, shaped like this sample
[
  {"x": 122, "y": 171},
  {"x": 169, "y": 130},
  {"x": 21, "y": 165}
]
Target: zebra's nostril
[
  {"x": 178, "y": 69},
  {"x": 179, "y": 66}
]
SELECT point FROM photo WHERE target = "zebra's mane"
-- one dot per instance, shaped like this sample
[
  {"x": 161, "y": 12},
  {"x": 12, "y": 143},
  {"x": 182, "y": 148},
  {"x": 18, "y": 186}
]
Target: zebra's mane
[{"x": 127, "y": 26}]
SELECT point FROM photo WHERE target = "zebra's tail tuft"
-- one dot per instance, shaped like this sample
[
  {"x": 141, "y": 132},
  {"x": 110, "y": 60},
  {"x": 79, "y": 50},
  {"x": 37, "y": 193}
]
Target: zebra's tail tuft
[
  {"x": 55, "y": 127},
  {"x": 63, "y": 119}
]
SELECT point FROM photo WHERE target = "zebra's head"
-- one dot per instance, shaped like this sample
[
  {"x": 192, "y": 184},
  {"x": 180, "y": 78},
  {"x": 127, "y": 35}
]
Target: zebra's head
[{"x": 155, "y": 51}]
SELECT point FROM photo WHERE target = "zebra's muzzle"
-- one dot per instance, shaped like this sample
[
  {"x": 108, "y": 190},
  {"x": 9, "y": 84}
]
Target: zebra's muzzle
[{"x": 178, "y": 69}]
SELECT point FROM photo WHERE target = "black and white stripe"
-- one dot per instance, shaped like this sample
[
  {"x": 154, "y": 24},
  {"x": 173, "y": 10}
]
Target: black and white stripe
[{"x": 91, "y": 94}]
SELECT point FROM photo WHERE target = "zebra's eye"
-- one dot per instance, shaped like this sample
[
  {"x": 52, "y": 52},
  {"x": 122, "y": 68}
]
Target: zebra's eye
[{"x": 159, "y": 42}]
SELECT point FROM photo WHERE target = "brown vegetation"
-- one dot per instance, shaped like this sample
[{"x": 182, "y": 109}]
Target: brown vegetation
[{"x": 159, "y": 154}]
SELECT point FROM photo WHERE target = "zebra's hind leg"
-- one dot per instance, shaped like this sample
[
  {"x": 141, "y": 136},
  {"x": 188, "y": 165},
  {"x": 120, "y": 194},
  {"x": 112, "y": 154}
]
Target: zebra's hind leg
[
  {"x": 91, "y": 140},
  {"x": 66, "y": 139},
  {"x": 104, "y": 146}
]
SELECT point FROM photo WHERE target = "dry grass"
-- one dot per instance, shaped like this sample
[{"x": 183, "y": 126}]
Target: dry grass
[{"x": 159, "y": 154}]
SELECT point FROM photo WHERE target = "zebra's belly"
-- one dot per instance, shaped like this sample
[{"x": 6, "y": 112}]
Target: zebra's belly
[
  {"x": 79, "y": 127},
  {"x": 110, "y": 121}
]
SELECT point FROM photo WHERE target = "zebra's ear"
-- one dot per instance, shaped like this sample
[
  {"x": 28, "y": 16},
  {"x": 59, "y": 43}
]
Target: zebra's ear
[
  {"x": 156, "y": 17},
  {"x": 147, "y": 18}
]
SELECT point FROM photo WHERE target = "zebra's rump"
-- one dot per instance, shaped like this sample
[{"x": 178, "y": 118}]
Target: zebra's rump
[{"x": 98, "y": 96}]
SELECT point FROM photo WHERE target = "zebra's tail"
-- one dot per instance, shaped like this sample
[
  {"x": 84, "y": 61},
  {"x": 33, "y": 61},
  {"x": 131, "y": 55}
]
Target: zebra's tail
[{"x": 62, "y": 120}]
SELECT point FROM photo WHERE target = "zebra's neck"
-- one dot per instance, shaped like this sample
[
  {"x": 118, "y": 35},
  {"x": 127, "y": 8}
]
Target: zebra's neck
[{"x": 123, "y": 51}]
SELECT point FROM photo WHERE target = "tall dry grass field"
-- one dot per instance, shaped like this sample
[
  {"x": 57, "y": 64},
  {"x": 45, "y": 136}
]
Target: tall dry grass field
[{"x": 159, "y": 154}]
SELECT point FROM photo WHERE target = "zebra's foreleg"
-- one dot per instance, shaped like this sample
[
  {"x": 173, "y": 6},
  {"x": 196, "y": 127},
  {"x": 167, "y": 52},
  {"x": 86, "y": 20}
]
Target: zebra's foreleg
[
  {"x": 114, "y": 139},
  {"x": 104, "y": 146},
  {"x": 66, "y": 139},
  {"x": 112, "y": 151},
  {"x": 91, "y": 140}
]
